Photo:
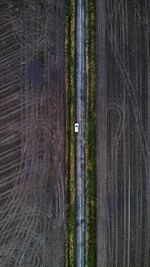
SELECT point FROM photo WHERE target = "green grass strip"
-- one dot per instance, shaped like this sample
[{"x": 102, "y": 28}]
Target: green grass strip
[
  {"x": 90, "y": 142},
  {"x": 90, "y": 138},
  {"x": 70, "y": 136}
]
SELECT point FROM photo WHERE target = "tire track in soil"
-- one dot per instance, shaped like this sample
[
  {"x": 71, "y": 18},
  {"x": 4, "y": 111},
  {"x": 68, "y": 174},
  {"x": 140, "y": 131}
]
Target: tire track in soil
[
  {"x": 123, "y": 219},
  {"x": 32, "y": 133}
]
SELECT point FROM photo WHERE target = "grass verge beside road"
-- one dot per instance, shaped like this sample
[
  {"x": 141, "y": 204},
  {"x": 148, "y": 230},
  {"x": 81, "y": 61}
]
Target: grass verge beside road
[
  {"x": 70, "y": 136},
  {"x": 90, "y": 138}
]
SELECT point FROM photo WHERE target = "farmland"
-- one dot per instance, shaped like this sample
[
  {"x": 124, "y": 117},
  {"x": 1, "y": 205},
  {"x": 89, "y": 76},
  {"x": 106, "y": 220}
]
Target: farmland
[
  {"x": 38, "y": 147},
  {"x": 122, "y": 109},
  {"x": 34, "y": 148},
  {"x": 32, "y": 133}
]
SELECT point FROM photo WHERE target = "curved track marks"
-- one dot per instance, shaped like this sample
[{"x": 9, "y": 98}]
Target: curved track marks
[
  {"x": 123, "y": 204},
  {"x": 32, "y": 133}
]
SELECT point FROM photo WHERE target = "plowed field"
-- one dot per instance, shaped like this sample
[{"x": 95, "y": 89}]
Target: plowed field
[{"x": 32, "y": 126}]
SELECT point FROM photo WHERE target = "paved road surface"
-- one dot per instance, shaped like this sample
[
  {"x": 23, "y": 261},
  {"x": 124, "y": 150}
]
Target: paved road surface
[{"x": 80, "y": 118}]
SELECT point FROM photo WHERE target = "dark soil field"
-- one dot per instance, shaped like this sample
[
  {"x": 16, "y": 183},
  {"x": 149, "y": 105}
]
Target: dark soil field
[
  {"x": 123, "y": 133},
  {"x": 37, "y": 139},
  {"x": 32, "y": 127}
]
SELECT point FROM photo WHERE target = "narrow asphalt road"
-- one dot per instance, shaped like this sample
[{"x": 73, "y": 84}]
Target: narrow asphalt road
[{"x": 80, "y": 138}]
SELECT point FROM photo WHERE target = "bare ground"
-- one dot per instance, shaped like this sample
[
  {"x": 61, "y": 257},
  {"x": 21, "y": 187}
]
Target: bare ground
[
  {"x": 32, "y": 133},
  {"x": 123, "y": 130}
]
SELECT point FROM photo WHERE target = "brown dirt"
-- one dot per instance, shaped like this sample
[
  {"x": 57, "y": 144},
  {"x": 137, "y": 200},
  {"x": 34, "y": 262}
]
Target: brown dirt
[
  {"x": 123, "y": 101},
  {"x": 32, "y": 126}
]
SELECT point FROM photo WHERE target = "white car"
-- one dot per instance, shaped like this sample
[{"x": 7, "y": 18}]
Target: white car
[{"x": 76, "y": 127}]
